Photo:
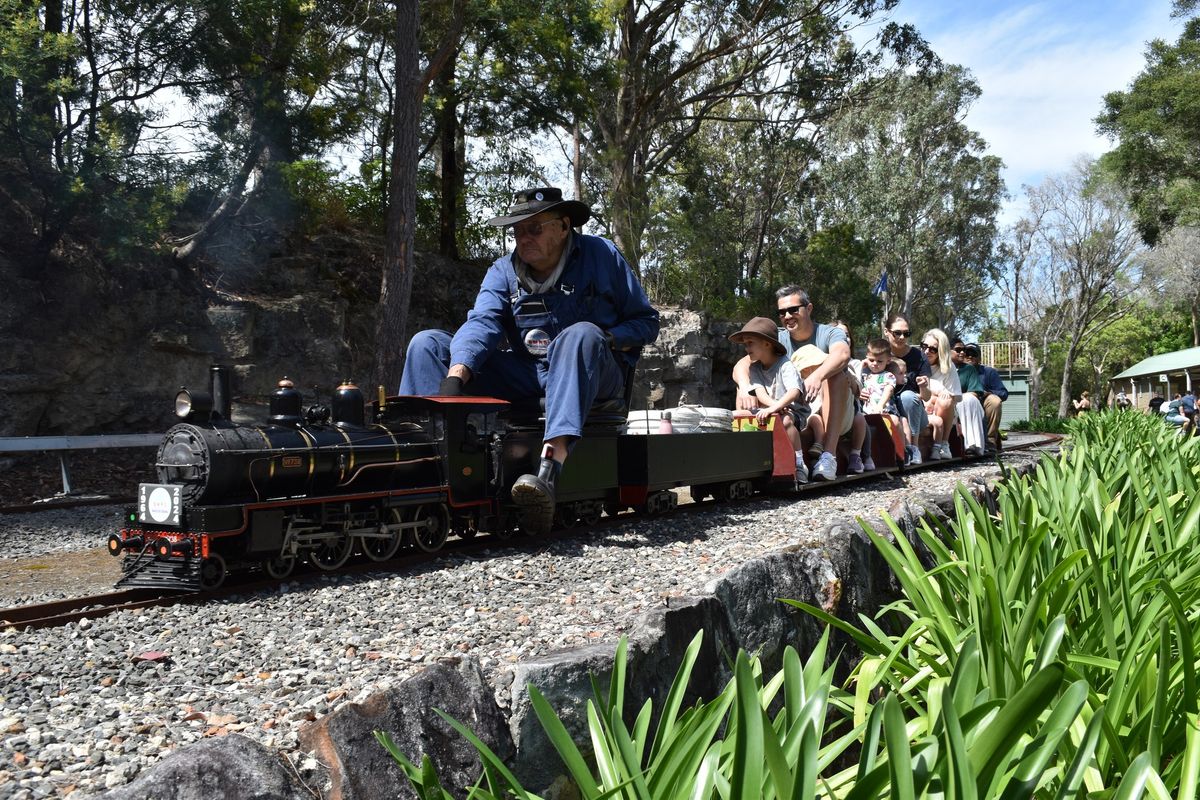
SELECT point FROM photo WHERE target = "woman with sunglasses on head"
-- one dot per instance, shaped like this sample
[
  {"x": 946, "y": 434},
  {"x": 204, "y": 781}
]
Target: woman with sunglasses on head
[
  {"x": 943, "y": 388},
  {"x": 911, "y": 396}
]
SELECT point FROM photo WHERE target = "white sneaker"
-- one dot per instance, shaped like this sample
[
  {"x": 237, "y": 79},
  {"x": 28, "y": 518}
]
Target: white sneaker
[
  {"x": 826, "y": 467},
  {"x": 914, "y": 454},
  {"x": 941, "y": 452},
  {"x": 801, "y": 472}
]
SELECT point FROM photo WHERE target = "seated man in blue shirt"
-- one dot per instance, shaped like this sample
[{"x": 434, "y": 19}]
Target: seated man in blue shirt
[
  {"x": 562, "y": 317},
  {"x": 994, "y": 395}
]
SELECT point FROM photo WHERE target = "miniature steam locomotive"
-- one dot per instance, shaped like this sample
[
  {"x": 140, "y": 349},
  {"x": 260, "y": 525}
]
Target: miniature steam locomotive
[{"x": 322, "y": 484}]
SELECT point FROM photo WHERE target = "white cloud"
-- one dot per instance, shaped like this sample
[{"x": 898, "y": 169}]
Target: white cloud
[{"x": 1044, "y": 69}]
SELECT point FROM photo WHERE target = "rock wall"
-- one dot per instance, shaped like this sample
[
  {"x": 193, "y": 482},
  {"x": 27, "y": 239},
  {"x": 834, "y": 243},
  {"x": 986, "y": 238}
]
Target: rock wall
[
  {"x": 836, "y": 568},
  {"x": 93, "y": 347}
]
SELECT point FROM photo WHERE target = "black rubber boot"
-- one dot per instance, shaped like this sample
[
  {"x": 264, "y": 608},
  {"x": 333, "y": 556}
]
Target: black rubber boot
[{"x": 535, "y": 495}]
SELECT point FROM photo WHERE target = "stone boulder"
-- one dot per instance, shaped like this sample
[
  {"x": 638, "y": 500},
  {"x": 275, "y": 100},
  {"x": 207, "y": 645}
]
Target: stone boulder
[
  {"x": 359, "y": 767},
  {"x": 227, "y": 767},
  {"x": 689, "y": 364}
]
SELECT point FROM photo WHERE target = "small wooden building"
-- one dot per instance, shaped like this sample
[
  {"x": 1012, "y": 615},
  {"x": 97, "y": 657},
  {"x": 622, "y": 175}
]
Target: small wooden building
[{"x": 1166, "y": 374}]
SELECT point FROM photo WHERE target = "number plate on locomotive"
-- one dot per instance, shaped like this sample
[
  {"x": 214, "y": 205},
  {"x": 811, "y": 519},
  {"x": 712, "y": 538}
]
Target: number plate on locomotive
[{"x": 159, "y": 504}]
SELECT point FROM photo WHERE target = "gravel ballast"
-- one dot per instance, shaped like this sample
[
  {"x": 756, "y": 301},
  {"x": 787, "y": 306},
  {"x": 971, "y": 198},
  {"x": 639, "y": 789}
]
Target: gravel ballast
[{"x": 88, "y": 706}]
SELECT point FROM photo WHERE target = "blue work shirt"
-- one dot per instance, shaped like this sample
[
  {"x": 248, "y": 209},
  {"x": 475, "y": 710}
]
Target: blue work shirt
[
  {"x": 597, "y": 285},
  {"x": 992, "y": 383}
]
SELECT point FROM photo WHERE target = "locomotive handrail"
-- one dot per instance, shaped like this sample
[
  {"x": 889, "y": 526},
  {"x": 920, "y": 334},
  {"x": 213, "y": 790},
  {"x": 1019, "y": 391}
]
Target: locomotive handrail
[{"x": 37, "y": 444}]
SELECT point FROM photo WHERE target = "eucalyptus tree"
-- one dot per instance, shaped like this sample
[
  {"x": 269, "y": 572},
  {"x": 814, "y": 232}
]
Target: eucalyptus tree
[
  {"x": 1084, "y": 263},
  {"x": 84, "y": 94},
  {"x": 917, "y": 183},
  {"x": 1156, "y": 125},
  {"x": 280, "y": 86},
  {"x": 1172, "y": 274},
  {"x": 681, "y": 64}
]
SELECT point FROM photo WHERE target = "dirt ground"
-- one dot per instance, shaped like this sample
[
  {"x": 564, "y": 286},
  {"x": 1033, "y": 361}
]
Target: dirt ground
[{"x": 69, "y": 574}]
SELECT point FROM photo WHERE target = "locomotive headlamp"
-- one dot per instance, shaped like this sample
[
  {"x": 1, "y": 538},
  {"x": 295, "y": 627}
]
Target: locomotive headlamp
[
  {"x": 162, "y": 548},
  {"x": 191, "y": 404}
]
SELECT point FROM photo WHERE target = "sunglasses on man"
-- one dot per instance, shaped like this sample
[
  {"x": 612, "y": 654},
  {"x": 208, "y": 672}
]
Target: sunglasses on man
[
  {"x": 532, "y": 228},
  {"x": 783, "y": 312}
]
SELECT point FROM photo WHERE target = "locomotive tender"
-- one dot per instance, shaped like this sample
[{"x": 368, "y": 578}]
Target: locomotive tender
[{"x": 321, "y": 484}]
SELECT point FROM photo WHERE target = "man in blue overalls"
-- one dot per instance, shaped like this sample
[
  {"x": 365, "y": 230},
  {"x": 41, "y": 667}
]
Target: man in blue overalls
[{"x": 562, "y": 316}]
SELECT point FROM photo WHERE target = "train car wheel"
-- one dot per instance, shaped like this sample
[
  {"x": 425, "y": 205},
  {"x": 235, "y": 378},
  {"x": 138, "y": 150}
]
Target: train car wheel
[
  {"x": 591, "y": 515},
  {"x": 698, "y": 493},
  {"x": 566, "y": 516},
  {"x": 212, "y": 572},
  {"x": 333, "y": 552},
  {"x": 384, "y": 545},
  {"x": 431, "y": 535},
  {"x": 280, "y": 566}
]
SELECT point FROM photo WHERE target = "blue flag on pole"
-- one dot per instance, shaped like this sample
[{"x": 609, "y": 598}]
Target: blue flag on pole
[{"x": 881, "y": 286}]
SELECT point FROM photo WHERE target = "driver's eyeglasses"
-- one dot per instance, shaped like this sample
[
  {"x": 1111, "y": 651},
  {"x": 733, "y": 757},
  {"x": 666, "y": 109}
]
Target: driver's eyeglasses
[
  {"x": 532, "y": 228},
  {"x": 900, "y": 334},
  {"x": 783, "y": 312}
]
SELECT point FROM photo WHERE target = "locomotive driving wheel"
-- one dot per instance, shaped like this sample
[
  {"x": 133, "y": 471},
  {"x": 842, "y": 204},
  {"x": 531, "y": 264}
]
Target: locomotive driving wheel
[
  {"x": 334, "y": 551},
  {"x": 280, "y": 566},
  {"x": 433, "y": 525},
  {"x": 384, "y": 544},
  {"x": 212, "y": 572}
]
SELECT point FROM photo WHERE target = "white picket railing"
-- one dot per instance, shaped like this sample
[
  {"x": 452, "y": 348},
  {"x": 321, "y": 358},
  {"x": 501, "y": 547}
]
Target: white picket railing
[{"x": 1005, "y": 355}]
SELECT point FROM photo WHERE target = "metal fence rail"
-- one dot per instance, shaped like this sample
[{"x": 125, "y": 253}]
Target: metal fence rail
[
  {"x": 42, "y": 444},
  {"x": 64, "y": 444}
]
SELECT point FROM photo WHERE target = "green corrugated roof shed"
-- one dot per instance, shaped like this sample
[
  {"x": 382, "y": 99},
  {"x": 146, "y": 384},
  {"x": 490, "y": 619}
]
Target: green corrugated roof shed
[{"x": 1178, "y": 361}]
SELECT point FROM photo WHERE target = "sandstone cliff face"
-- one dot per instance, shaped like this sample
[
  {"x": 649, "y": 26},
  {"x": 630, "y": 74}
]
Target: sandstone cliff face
[{"x": 94, "y": 347}]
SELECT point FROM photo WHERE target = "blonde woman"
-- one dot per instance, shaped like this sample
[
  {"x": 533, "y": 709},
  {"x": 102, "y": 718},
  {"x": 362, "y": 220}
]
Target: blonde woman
[{"x": 942, "y": 392}]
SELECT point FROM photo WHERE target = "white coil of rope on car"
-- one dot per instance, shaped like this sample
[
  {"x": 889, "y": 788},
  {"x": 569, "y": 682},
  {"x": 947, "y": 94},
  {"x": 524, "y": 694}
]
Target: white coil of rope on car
[{"x": 684, "y": 419}]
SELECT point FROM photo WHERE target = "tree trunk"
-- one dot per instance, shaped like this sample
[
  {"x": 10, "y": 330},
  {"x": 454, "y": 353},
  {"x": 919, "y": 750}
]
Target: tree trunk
[
  {"x": 391, "y": 330},
  {"x": 1064, "y": 390},
  {"x": 628, "y": 209},
  {"x": 1196, "y": 323},
  {"x": 451, "y": 183},
  {"x": 577, "y": 161},
  {"x": 233, "y": 201}
]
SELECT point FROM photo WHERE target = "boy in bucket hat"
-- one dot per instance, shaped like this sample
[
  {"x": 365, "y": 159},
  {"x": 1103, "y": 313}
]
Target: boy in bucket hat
[
  {"x": 826, "y": 388},
  {"x": 775, "y": 382},
  {"x": 563, "y": 317}
]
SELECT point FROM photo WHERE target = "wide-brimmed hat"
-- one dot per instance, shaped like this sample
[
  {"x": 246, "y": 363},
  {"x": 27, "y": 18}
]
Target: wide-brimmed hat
[
  {"x": 808, "y": 358},
  {"x": 528, "y": 202},
  {"x": 760, "y": 328}
]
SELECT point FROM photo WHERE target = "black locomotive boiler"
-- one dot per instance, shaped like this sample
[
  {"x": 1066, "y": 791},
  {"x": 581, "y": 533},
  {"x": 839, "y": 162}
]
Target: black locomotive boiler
[{"x": 321, "y": 484}]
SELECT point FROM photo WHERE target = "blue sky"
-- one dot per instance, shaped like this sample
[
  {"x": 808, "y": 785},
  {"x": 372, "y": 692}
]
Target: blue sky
[{"x": 1044, "y": 68}]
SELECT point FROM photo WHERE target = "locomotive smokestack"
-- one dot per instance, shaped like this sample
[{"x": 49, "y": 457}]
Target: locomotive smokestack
[{"x": 222, "y": 399}]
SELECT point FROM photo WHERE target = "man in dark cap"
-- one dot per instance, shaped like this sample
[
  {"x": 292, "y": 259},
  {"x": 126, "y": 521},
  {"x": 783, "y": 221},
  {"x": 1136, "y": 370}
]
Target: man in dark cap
[
  {"x": 994, "y": 395},
  {"x": 562, "y": 317}
]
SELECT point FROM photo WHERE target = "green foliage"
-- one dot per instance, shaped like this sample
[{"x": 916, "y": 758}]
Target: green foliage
[
  {"x": 1047, "y": 423},
  {"x": 1154, "y": 123},
  {"x": 1092, "y": 563},
  {"x": 1044, "y": 648},
  {"x": 917, "y": 185}
]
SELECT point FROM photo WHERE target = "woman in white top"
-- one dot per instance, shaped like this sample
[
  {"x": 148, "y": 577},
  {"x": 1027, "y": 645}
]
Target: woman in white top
[{"x": 942, "y": 392}]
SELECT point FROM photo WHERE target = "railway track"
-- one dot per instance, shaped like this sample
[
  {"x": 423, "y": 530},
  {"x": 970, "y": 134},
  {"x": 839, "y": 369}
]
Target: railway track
[{"x": 62, "y": 612}]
